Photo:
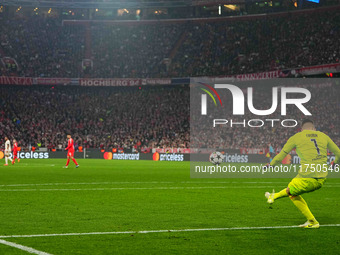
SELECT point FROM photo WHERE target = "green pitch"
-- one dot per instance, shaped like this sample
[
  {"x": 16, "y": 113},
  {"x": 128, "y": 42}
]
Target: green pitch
[{"x": 40, "y": 197}]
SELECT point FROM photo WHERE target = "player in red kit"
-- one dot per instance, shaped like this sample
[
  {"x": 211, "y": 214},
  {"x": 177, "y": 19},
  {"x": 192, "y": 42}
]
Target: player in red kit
[
  {"x": 70, "y": 152},
  {"x": 15, "y": 152}
]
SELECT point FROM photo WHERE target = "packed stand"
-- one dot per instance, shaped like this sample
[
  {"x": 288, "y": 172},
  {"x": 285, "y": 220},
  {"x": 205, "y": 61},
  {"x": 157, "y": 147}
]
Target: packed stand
[
  {"x": 325, "y": 116},
  {"x": 143, "y": 118},
  {"x": 257, "y": 45},
  {"x": 132, "y": 51},
  {"x": 43, "y": 47},
  {"x": 121, "y": 118}
]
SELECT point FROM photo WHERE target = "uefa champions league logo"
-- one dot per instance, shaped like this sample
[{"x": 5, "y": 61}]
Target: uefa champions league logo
[{"x": 238, "y": 108}]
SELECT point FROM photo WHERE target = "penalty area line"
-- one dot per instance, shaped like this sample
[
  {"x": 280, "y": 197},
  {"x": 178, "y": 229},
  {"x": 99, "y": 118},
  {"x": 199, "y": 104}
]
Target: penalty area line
[
  {"x": 161, "y": 231},
  {"x": 23, "y": 248}
]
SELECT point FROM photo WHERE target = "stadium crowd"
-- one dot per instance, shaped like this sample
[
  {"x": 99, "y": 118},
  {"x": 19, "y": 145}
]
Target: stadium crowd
[
  {"x": 132, "y": 51},
  {"x": 143, "y": 118},
  {"x": 152, "y": 116},
  {"x": 256, "y": 45},
  {"x": 325, "y": 116},
  {"x": 121, "y": 118},
  {"x": 44, "y": 47},
  {"x": 41, "y": 47}
]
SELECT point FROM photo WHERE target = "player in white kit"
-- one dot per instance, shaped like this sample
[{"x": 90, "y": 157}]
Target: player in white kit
[{"x": 8, "y": 150}]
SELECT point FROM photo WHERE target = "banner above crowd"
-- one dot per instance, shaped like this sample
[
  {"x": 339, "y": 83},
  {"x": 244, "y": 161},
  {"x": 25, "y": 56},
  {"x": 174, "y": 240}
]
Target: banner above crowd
[{"x": 107, "y": 82}]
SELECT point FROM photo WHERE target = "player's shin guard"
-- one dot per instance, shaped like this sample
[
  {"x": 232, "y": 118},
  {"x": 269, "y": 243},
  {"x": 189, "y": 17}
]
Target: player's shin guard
[
  {"x": 301, "y": 204},
  {"x": 6, "y": 160},
  {"x": 74, "y": 160},
  {"x": 67, "y": 162},
  {"x": 282, "y": 193}
]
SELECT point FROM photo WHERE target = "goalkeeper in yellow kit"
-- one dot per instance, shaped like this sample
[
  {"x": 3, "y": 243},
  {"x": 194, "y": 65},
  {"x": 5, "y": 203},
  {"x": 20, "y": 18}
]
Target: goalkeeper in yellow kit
[{"x": 311, "y": 146}]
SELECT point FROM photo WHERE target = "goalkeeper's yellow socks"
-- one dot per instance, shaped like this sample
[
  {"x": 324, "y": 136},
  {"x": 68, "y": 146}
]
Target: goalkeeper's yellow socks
[
  {"x": 282, "y": 193},
  {"x": 301, "y": 204}
]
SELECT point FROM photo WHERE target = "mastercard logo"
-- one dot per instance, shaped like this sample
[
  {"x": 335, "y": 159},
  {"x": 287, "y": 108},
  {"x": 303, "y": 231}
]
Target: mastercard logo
[
  {"x": 108, "y": 155},
  {"x": 155, "y": 156},
  {"x": 1, "y": 155}
]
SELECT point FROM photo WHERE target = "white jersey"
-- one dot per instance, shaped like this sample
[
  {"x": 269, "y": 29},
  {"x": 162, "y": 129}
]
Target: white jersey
[{"x": 8, "y": 147}]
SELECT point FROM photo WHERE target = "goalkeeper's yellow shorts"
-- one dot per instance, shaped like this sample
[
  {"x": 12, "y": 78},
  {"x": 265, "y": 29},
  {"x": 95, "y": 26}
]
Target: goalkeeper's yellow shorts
[{"x": 299, "y": 186}]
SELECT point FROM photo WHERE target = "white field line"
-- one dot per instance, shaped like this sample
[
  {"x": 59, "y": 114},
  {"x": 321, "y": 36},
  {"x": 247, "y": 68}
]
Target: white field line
[
  {"x": 28, "y": 165},
  {"x": 133, "y": 188},
  {"x": 77, "y": 183},
  {"x": 24, "y": 248},
  {"x": 161, "y": 231},
  {"x": 150, "y": 188},
  {"x": 108, "y": 183}
]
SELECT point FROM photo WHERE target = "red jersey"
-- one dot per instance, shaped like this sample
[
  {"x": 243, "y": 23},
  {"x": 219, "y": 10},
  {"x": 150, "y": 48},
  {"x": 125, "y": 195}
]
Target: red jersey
[
  {"x": 15, "y": 147},
  {"x": 70, "y": 145}
]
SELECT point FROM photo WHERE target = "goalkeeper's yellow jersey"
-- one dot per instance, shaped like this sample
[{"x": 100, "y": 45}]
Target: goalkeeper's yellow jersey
[{"x": 311, "y": 146}]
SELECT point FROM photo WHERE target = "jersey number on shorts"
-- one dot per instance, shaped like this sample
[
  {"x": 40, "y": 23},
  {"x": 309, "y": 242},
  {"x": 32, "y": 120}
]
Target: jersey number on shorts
[{"x": 316, "y": 145}]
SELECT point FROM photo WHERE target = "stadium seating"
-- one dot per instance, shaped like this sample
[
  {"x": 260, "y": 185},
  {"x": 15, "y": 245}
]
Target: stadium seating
[
  {"x": 154, "y": 117},
  {"x": 133, "y": 118},
  {"x": 96, "y": 117},
  {"x": 43, "y": 47}
]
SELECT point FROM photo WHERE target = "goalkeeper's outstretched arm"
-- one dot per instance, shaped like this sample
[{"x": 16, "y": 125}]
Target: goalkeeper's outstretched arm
[{"x": 284, "y": 152}]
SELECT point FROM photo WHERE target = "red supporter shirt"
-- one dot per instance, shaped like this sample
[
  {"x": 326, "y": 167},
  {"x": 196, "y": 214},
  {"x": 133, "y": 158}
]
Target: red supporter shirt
[{"x": 70, "y": 145}]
